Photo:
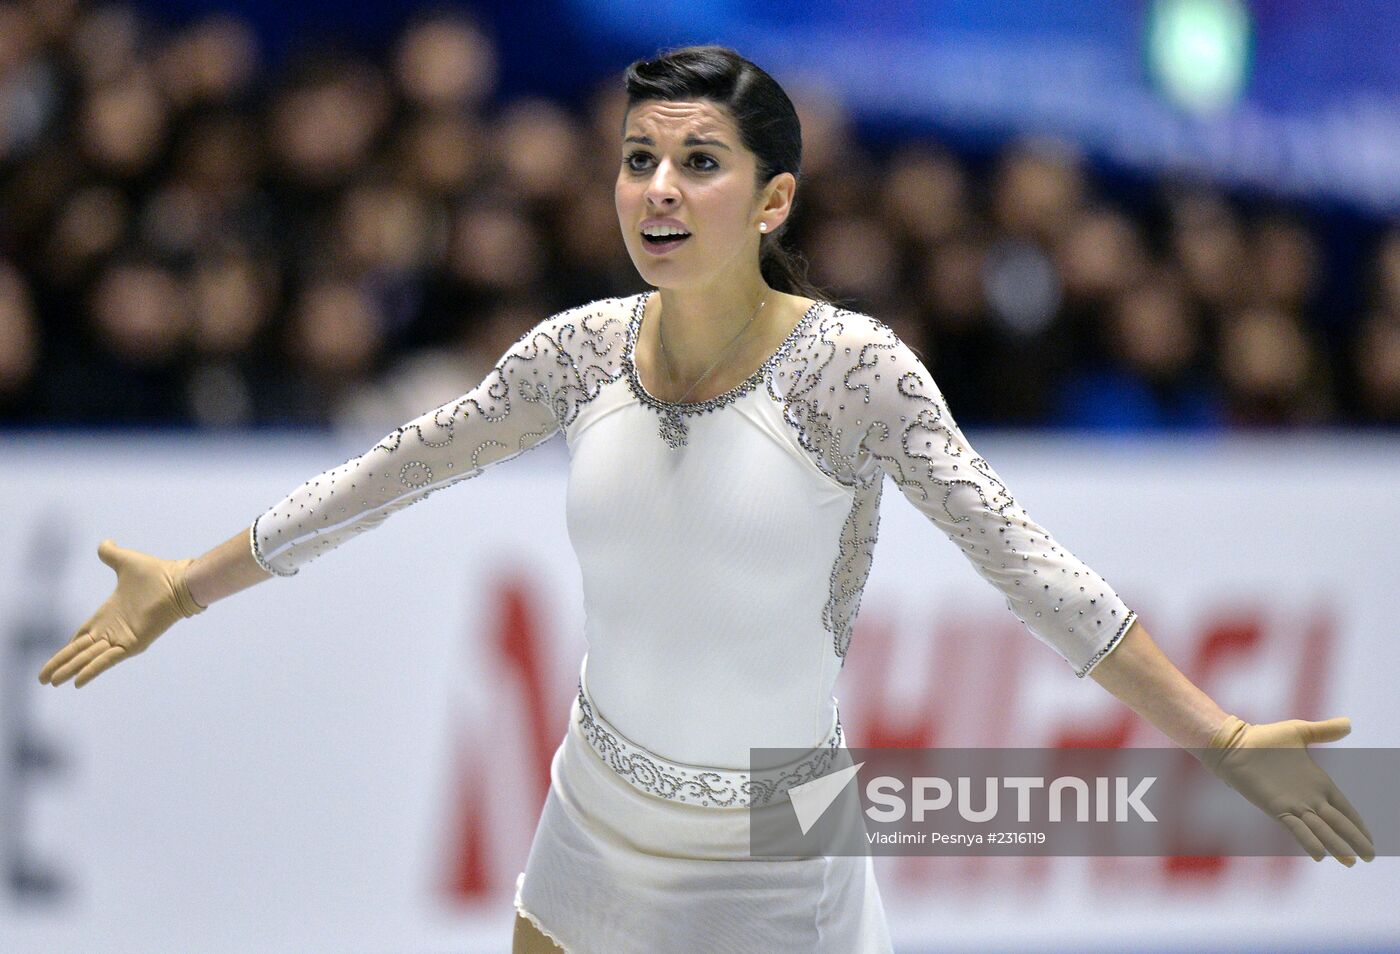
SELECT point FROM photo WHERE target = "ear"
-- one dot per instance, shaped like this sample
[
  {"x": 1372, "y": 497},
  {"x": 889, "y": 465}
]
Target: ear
[{"x": 777, "y": 199}]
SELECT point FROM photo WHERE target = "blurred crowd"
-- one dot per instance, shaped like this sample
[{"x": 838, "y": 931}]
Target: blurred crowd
[{"x": 191, "y": 237}]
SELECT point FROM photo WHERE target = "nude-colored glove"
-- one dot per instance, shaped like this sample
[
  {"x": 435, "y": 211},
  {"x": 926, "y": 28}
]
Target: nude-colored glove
[
  {"x": 1270, "y": 766},
  {"x": 151, "y": 596}
]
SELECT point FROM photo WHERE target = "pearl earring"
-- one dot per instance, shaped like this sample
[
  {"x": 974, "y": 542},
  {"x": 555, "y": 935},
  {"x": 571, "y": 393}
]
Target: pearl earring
[{"x": 763, "y": 226}]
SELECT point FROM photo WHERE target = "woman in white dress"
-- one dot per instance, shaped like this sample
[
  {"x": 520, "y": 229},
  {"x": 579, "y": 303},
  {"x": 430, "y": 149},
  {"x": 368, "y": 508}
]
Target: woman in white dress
[{"x": 729, "y": 434}]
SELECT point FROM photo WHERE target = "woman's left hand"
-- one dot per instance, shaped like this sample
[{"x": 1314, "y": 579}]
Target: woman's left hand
[{"x": 1269, "y": 765}]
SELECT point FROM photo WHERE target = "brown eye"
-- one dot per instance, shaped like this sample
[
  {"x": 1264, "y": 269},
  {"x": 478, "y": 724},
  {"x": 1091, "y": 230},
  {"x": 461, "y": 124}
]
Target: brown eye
[{"x": 700, "y": 155}]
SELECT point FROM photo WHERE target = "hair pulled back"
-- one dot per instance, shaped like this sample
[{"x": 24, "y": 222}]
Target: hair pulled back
[{"x": 767, "y": 124}]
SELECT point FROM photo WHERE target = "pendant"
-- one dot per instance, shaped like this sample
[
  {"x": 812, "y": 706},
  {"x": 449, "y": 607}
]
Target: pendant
[{"x": 673, "y": 429}]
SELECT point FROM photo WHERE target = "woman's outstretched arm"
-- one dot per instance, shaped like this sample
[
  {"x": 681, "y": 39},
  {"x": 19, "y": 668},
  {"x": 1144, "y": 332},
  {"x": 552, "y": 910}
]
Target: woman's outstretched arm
[
  {"x": 1267, "y": 764},
  {"x": 225, "y": 570},
  {"x": 865, "y": 403},
  {"x": 537, "y": 384},
  {"x": 1144, "y": 679}
]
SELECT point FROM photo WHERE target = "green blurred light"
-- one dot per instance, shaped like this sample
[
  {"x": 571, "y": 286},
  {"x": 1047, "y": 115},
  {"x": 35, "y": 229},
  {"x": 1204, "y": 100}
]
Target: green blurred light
[{"x": 1198, "y": 51}]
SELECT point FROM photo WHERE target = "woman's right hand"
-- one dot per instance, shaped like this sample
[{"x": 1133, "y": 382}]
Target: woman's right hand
[{"x": 151, "y": 596}]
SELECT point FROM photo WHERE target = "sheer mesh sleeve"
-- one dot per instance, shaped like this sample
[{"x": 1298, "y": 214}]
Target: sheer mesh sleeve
[
  {"x": 888, "y": 416},
  {"x": 532, "y": 392}
]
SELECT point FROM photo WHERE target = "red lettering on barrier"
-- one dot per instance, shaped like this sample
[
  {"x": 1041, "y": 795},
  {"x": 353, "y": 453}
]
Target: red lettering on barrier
[
  {"x": 514, "y": 643},
  {"x": 966, "y": 694},
  {"x": 517, "y": 640},
  {"x": 1314, "y": 666},
  {"x": 880, "y": 722},
  {"x": 467, "y": 878},
  {"x": 1218, "y": 644}
]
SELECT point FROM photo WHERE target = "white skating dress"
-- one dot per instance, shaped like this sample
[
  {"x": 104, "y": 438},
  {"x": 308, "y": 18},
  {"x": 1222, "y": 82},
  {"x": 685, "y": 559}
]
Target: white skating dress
[{"x": 724, "y": 546}]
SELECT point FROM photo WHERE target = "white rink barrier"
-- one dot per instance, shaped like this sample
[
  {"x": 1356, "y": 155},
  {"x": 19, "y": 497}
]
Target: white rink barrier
[{"x": 353, "y": 759}]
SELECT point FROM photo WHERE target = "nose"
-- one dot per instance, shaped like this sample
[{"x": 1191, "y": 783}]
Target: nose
[{"x": 661, "y": 190}]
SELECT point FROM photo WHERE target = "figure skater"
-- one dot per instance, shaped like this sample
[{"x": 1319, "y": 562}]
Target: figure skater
[{"x": 728, "y": 433}]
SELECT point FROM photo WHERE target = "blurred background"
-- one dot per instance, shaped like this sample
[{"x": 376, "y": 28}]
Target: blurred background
[
  {"x": 269, "y": 231},
  {"x": 1136, "y": 216}
]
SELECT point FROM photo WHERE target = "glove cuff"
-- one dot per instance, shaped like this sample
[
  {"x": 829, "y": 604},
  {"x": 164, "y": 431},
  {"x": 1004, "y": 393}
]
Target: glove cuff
[
  {"x": 1229, "y": 733},
  {"x": 184, "y": 602},
  {"x": 1227, "y": 737}
]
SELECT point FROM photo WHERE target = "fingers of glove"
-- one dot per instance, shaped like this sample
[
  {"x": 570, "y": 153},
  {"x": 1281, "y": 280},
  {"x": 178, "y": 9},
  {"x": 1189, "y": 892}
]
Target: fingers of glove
[
  {"x": 97, "y": 648},
  {"x": 76, "y": 646},
  {"x": 1360, "y": 843},
  {"x": 1333, "y": 841},
  {"x": 1305, "y": 837},
  {"x": 99, "y": 665},
  {"x": 54, "y": 661},
  {"x": 1329, "y": 730},
  {"x": 1340, "y": 801},
  {"x": 69, "y": 650}
]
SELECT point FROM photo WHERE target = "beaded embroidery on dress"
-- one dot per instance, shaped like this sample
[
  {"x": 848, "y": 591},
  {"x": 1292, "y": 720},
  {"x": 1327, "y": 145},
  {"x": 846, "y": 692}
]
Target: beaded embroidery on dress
[
  {"x": 535, "y": 389},
  {"x": 863, "y": 405},
  {"x": 672, "y": 426},
  {"x": 697, "y": 785}
]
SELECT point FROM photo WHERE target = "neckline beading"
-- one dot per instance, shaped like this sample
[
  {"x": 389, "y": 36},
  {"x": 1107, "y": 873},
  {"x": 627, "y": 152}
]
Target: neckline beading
[{"x": 720, "y": 400}]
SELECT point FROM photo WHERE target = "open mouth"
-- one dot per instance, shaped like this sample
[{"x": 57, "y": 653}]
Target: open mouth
[{"x": 663, "y": 243}]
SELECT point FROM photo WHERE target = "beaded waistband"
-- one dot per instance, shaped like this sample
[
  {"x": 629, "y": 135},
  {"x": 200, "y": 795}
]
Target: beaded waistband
[{"x": 698, "y": 784}]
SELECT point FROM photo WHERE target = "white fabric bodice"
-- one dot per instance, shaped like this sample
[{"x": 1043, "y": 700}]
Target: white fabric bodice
[{"x": 721, "y": 577}]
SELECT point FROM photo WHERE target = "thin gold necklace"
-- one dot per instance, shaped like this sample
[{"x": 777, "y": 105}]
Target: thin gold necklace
[{"x": 673, "y": 428}]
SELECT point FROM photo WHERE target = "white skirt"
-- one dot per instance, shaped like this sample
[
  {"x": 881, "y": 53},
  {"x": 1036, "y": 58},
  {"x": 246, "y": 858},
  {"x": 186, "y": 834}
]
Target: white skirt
[{"x": 615, "y": 870}]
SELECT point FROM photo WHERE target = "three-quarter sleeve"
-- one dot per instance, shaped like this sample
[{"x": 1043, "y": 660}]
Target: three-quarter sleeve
[
  {"x": 515, "y": 408},
  {"x": 892, "y": 407}
]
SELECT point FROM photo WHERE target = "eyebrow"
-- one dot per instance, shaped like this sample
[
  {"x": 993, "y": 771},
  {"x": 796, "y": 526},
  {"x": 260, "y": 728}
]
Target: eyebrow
[{"x": 689, "y": 141}]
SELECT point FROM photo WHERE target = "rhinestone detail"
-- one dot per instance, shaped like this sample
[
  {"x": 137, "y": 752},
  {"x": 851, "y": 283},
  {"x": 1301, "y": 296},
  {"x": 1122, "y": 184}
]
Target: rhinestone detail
[
  {"x": 673, "y": 428},
  {"x": 536, "y": 389},
  {"x": 693, "y": 784},
  {"x": 1117, "y": 638},
  {"x": 862, "y": 405}
]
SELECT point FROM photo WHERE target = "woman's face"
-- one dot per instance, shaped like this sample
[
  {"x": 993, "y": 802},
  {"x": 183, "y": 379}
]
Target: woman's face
[{"x": 684, "y": 161}]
